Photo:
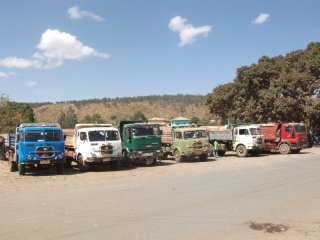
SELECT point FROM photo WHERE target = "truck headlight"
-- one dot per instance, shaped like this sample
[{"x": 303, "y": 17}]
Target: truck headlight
[{"x": 29, "y": 157}]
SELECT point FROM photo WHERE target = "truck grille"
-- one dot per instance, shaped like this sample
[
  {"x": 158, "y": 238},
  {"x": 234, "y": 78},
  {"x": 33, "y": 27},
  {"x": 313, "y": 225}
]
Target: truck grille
[
  {"x": 197, "y": 146},
  {"x": 106, "y": 150},
  {"x": 45, "y": 151}
]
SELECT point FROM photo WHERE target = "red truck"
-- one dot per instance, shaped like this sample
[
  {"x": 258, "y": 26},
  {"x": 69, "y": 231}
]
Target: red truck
[{"x": 284, "y": 137}]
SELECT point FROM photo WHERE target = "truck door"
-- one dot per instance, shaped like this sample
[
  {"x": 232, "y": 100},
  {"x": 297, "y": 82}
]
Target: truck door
[
  {"x": 242, "y": 137},
  {"x": 288, "y": 133},
  {"x": 234, "y": 138},
  {"x": 82, "y": 142}
]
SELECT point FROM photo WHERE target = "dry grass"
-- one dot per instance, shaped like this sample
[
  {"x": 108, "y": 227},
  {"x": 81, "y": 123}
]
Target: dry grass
[{"x": 123, "y": 110}]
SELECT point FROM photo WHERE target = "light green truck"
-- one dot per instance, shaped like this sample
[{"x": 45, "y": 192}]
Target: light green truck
[{"x": 185, "y": 142}]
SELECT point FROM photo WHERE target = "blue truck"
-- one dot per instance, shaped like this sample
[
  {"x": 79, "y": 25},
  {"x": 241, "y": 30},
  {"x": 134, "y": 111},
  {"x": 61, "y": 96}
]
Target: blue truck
[{"x": 38, "y": 145}]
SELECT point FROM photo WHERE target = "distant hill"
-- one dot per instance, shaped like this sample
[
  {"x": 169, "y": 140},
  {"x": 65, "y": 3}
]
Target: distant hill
[{"x": 112, "y": 109}]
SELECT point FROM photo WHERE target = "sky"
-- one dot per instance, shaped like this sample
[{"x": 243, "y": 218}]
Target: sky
[{"x": 61, "y": 50}]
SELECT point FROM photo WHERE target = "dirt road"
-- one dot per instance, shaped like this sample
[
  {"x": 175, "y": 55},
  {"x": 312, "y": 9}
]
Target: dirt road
[{"x": 266, "y": 197}]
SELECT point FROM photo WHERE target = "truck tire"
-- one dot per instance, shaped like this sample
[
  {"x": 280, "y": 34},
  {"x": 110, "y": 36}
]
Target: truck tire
[
  {"x": 115, "y": 165},
  {"x": 154, "y": 162},
  {"x": 241, "y": 151},
  {"x": 203, "y": 157},
  {"x": 22, "y": 169},
  {"x": 13, "y": 166},
  {"x": 255, "y": 152},
  {"x": 59, "y": 168},
  {"x": 221, "y": 153},
  {"x": 177, "y": 155},
  {"x": 68, "y": 163},
  {"x": 165, "y": 156},
  {"x": 284, "y": 148},
  {"x": 83, "y": 166},
  {"x": 126, "y": 161}
]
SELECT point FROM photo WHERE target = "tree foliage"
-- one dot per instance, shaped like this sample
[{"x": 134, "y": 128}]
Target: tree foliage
[
  {"x": 95, "y": 118},
  {"x": 12, "y": 113},
  {"x": 282, "y": 88},
  {"x": 68, "y": 119},
  {"x": 138, "y": 116}
]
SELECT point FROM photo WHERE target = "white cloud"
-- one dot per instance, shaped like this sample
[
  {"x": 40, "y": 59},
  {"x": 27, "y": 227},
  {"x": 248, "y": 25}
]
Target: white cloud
[
  {"x": 6, "y": 74},
  {"x": 31, "y": 83},
  {"x": 262, "y": 18},
  {"x": 56, "y": 46},
  {"x": 14, "y": 62},
  {"x": 75, "y": 13},
  {"x": 53, "y": 49},
  {"x": 187, "y": 32}
]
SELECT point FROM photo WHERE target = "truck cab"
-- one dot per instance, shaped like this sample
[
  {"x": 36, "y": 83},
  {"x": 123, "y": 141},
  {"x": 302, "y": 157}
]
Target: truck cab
[
  {"x": 93, "y": 144},
  {"x": 241, "y": 138},
  {"x": 285, "y": 137},
  {"x": 190, "y": 142},
  {"x": 247, "y": 139},
  {"x": 141, "y": 142},
  {"x": 38, "y": 144}
]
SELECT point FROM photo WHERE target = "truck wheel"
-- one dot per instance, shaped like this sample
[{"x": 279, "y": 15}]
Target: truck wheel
[
  {"x": 13, "y": 166},
  {"x": 115, "y": 165},
  {"x": 154, "y": 162},
  {"x": 22, "y": 169},
  {"x": 83, "y": 166},
  {"x": 295, "y": 151},
  {"x": 164, "y": 156},
  {"x": 68, "y": 163},
  {"x": 177, "y": 156},
  {"x": 203, "y": 157},
  {"x": 126, "y": 161},
  {"x": 284, "y": 148},
  {"x": 60, "y": 168},
  {"x": 241, "y": 151},
  {"x": 221, "y": 153},
  {"x": 255, "y": 153}
]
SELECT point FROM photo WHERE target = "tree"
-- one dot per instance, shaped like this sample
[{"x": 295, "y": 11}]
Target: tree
[
  {"x": 282, "y": 88},
  {"x": 68, "y": 119},
  {"x": 12, "y": 113},
  {"x": 195, "y": 120},
  {"x": 138, "y": 116},
  {"x": 95, "y": 118}
]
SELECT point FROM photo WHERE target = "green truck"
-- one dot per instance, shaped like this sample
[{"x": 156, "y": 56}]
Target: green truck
[
  {"x": 184, "y": 142},
  {"x": 141, "y": 142}
]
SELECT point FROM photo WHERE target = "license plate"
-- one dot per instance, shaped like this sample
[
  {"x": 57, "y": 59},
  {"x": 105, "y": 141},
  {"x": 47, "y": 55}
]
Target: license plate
[
  {"x": 106, "y": 159},
  {"x": 45, "y": 162},
  {"x": 147, "y": 154}
]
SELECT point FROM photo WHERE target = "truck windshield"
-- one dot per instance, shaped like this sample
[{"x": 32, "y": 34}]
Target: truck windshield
[
  {"x": 194, "y": 134},
  {"x": 40, "y": 135},
  {"x": 112, "y": 135},
  {"x": 145, "y": 130},
  {"x": 97, "y": 136},
  {"x": 255, "y": 131},
  {"x": 102, "y": 135},
  {"x": 300, "y": 128}
]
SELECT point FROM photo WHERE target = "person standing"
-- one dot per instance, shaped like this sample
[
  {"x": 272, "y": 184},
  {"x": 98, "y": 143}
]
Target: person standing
[{"x": 215, "y": 148}]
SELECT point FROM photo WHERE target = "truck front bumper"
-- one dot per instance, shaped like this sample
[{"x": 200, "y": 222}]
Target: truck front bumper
[
  {"x": 141, "y": 155},
  {"x": 102, "y": 160},
  {"x": 43, "y": 162}
]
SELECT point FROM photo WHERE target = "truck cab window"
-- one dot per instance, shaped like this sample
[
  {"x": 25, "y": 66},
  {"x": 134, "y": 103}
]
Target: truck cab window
[
  {"x": 83, "y": 136},
  {"x": 112, "y": 135},
  {"x": 243, "y": 132},
  {"x": 289, "y": 129},
  {"x": 178, "y": 135},
  {"x": 127, "y": 132}
]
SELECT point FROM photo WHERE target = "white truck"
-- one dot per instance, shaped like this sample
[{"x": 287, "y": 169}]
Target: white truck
[
  {"x": 93, "y": 144},
  {"x": 242, "y": 139}
]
